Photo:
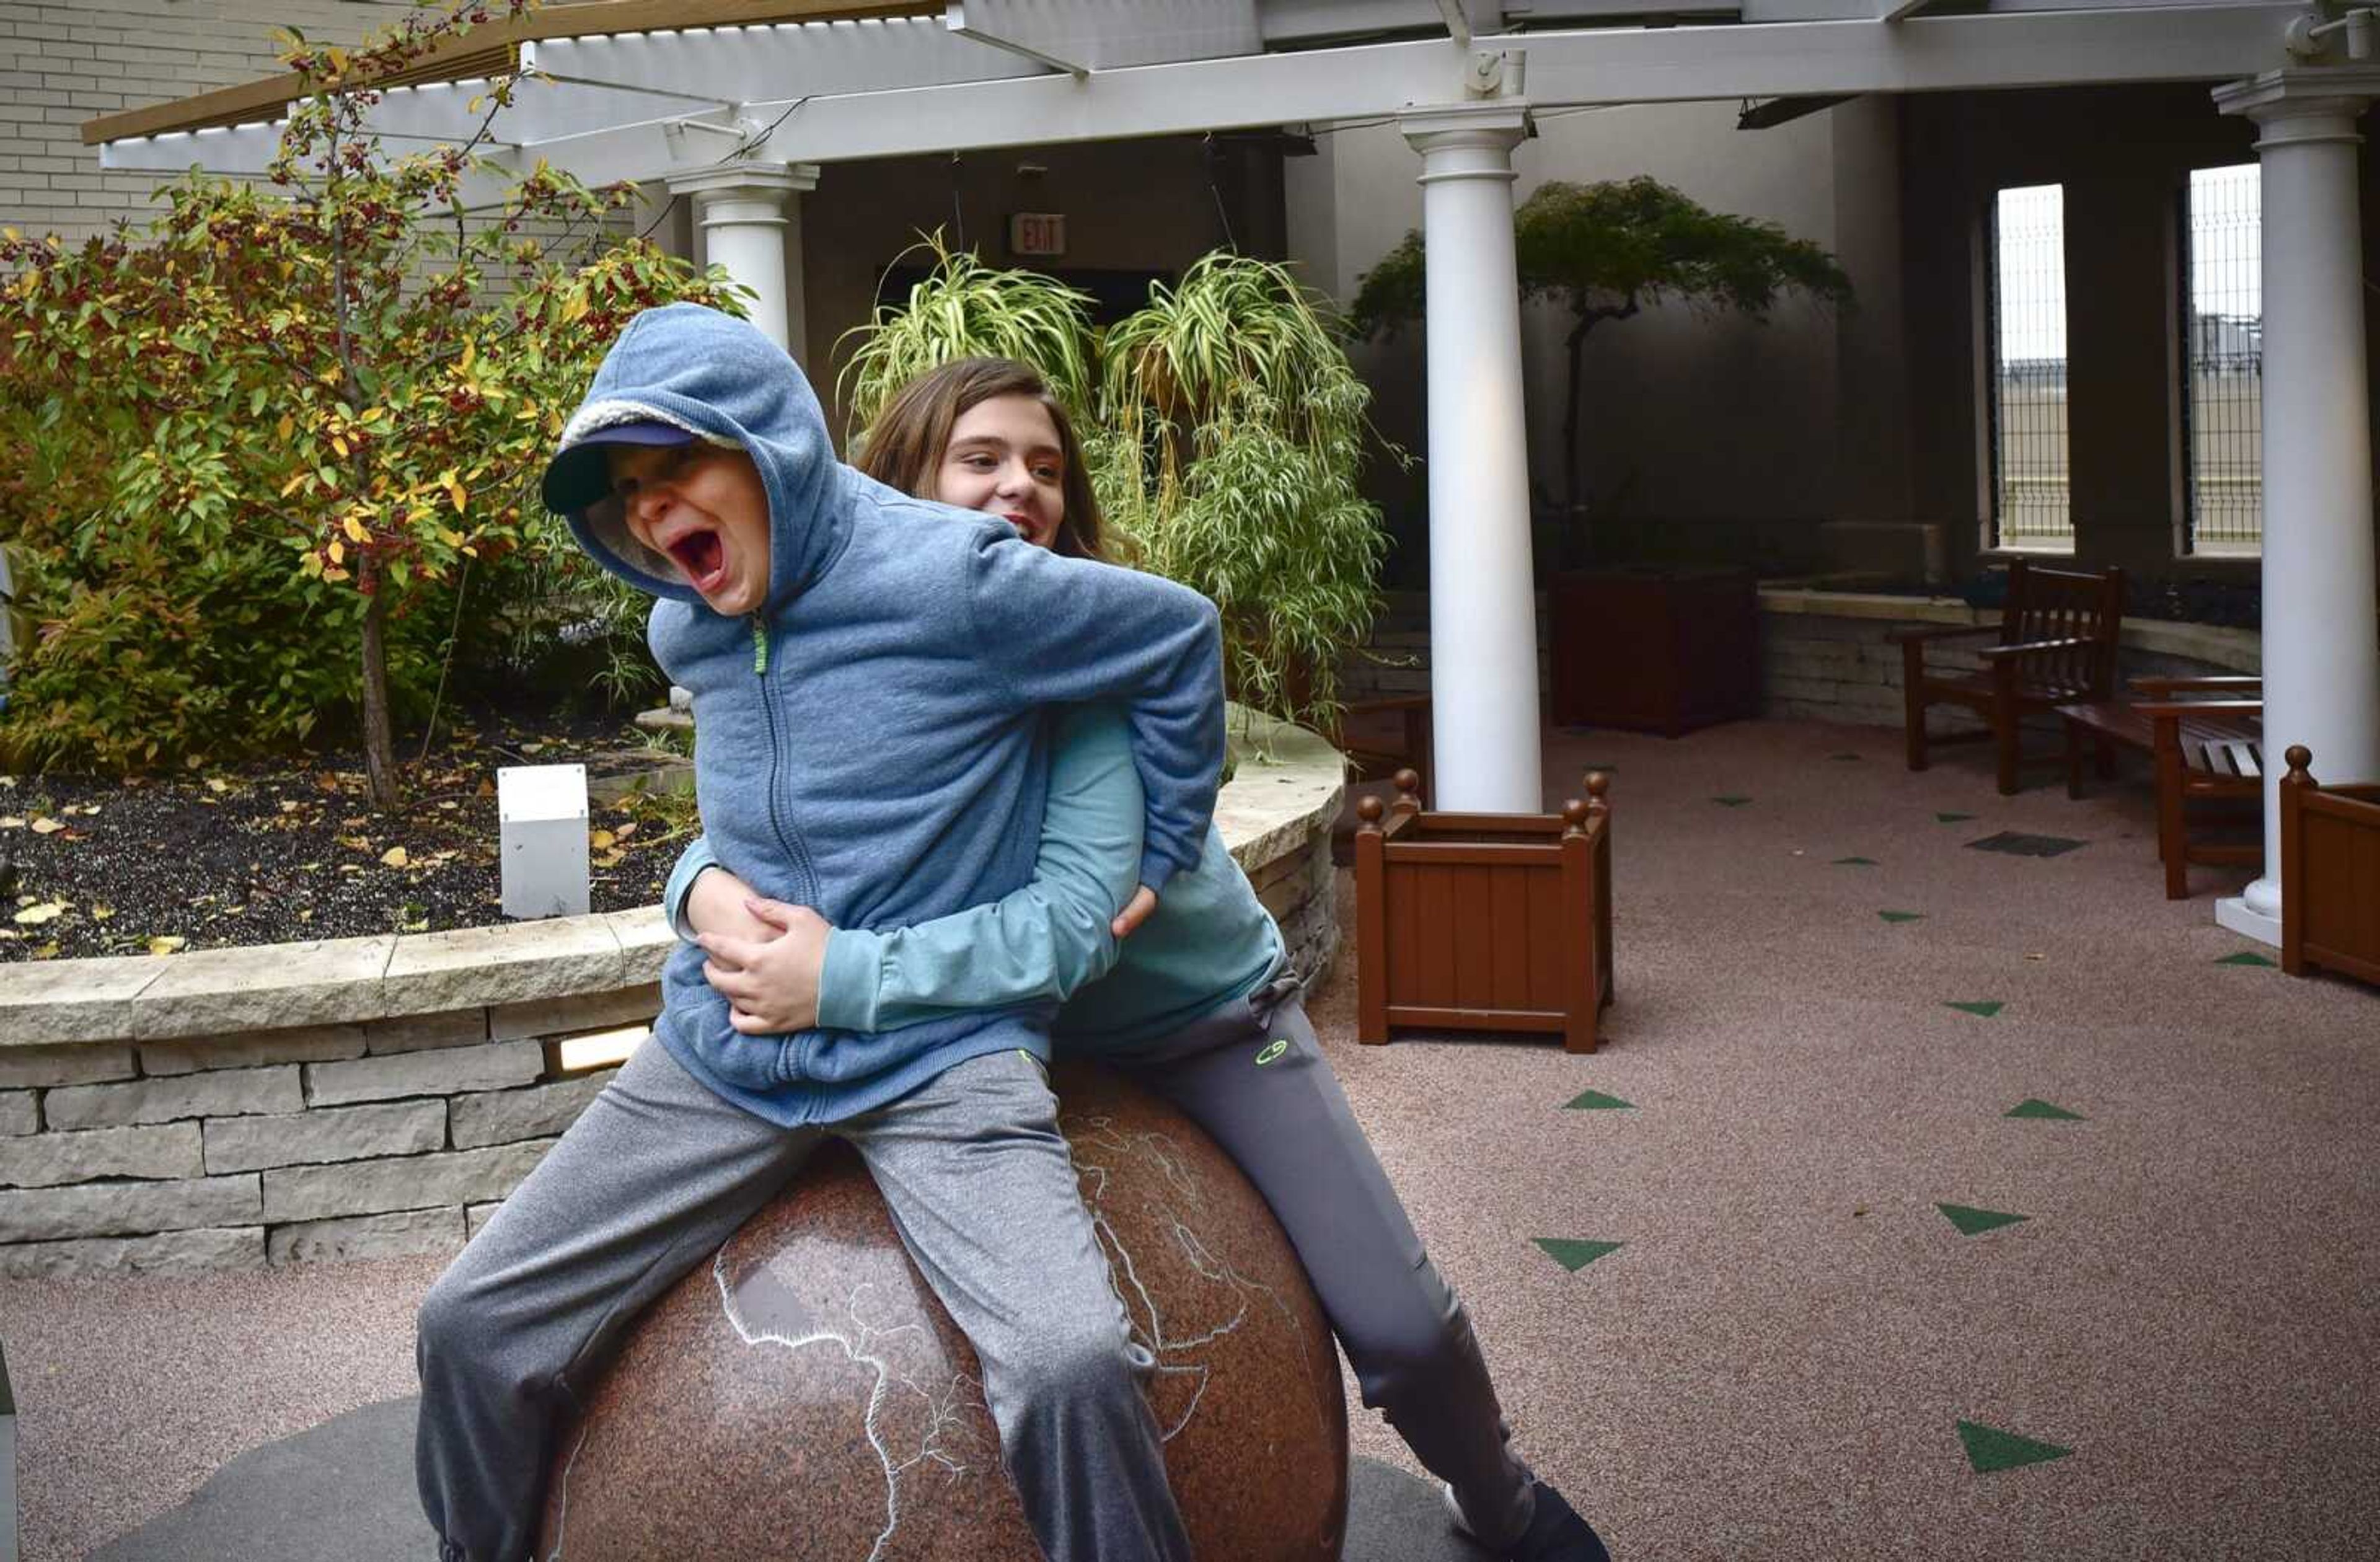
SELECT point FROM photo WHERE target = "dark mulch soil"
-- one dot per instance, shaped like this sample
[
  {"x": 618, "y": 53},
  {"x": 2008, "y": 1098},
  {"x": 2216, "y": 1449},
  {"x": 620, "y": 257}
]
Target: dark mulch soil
[{"x": 281, "y": 853}]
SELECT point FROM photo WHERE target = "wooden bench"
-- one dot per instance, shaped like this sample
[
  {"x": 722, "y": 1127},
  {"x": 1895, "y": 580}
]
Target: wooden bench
[
  {"x": 2204, "y": 750},
  {"x": 2057, "y": 646},
  {"x": 2330, "y": 874},
  {"x": 1482, "y": 921}
]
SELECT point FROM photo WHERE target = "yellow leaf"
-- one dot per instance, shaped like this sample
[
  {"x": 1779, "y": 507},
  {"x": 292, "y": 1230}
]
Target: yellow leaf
[
  {"x": 12, "y": 821},
  {"x": 101, "y": 913},
  {"x": 601, "y": 839},
  {"x": 574, "y": 308},
  {"x": 455, "y": 492},
  {"x": 470, "y": 351},
  {"x": 339, "y": 444},
  {"x": 394, "y": 857},
  {"x": 34, "y": 915},
  {"x": 47, "y": 826},
  {"x": 334, "y": 574},
  {"x": 285, "y": 428},
  {"x": 337, "y": 550},
  {"x": 217, "y": 783},
  {"x": 292, "y": 485},
  {"x": 167, "y": 944},
  {"x": 354, "y": 531},
  {"x": 48, "y": 951}
]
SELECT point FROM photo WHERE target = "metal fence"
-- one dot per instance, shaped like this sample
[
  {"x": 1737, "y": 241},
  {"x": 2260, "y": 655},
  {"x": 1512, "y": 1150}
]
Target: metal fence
[
  {"x": 2031, "y": 505},
  {"x": 2223, "y": 361}
]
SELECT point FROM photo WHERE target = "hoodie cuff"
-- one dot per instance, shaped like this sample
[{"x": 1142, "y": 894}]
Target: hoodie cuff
[
  {"x": 677, "y": 898},
  {"x": 1154, "y": 872},
  {"x": 848, "y": 980}
]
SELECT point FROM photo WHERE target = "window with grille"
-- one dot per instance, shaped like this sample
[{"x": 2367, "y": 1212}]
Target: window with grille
[
  {"x": 2222, "y": 360},
  {"x": 2026, "y": 390}
]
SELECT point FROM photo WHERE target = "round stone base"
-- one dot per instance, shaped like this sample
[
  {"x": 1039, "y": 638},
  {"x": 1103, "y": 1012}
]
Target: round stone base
[{"x": 801, "y": 1393}]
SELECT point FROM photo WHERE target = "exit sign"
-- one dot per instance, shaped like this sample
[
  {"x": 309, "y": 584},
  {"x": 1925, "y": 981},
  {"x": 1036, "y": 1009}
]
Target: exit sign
[{"x": 1036, "y": 233}]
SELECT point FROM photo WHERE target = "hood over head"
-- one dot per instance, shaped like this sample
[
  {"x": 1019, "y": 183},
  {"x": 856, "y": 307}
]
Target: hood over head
[{"x": 722, "y": 380}]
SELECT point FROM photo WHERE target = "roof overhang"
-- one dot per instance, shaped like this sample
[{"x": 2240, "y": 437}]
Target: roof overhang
[{"x": 896, "y": 80}]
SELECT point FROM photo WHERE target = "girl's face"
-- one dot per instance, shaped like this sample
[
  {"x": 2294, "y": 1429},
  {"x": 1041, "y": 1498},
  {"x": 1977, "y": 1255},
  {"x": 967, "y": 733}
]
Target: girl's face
[
  {"x": 1003, "y": 458},
  {"x": 704, "y": 508}
]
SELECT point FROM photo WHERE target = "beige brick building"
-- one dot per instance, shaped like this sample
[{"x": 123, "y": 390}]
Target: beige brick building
[{"x": 64, "y": 62}]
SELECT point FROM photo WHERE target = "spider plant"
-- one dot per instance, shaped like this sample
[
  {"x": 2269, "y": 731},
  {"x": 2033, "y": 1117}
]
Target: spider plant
[{"x": 965, "y": 308}]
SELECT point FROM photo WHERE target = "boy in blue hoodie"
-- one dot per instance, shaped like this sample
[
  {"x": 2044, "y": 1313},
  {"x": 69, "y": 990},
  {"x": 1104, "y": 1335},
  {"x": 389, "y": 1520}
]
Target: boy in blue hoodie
[{"x": 868, "y": 672}]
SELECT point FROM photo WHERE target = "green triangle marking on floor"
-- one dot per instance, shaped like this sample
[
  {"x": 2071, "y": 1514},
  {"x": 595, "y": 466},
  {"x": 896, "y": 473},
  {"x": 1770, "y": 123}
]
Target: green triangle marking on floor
[
  {"x": 2033, "y": 1107},
  {"x": 1953, "y": 818},
  {"x": 1854, "y": 862},
  {"x": 1988, "y": 1449},
  {"x": 1730, "y": 801},
  {"x": 1902, "y": 916},
  {"x": 1596, "y": 1101},
  {"x": 1575, "y": 1253},
  {"x": 1974, "y": 1221},
  {"x": 2244, "y": 957},
  {"x": 1986, "y": 1008}
]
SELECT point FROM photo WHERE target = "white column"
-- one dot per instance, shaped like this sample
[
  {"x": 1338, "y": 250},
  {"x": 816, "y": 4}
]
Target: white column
[
  {"x": 750, "y": 218},
  {"x": 1483, "y": 635},
  {"x": 2321, "y": 667}
]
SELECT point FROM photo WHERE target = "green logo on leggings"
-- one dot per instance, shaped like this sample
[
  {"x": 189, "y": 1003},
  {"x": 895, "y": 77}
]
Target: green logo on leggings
[{"x": 1272, "y": 1051}]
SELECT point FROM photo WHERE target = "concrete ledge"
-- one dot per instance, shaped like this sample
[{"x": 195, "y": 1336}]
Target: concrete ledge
[{"x": 285, "y": 1102}]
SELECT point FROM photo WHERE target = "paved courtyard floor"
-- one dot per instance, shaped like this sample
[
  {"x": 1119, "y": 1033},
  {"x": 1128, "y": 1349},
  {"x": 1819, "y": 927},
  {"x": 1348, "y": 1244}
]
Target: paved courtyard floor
[{"x": 1928, "y": 1200}]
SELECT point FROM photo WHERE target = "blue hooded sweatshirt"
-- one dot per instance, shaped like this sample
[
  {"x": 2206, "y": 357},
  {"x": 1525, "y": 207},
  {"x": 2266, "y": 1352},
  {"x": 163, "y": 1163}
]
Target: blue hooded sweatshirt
[{"x": 871, "y": 743}]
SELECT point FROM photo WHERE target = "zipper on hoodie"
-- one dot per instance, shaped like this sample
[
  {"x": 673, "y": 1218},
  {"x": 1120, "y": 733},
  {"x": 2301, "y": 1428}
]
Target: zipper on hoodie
[{"x": 788, "y": 838}]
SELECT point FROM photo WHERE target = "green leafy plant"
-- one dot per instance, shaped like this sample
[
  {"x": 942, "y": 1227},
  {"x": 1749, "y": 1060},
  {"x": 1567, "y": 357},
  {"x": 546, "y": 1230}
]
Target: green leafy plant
[
  {"x": 277, "y": 435},
  {"x": 965, "y": 308},
  {"x": 1606, "y": 251},
  {"x": 1234, "y": 436}
]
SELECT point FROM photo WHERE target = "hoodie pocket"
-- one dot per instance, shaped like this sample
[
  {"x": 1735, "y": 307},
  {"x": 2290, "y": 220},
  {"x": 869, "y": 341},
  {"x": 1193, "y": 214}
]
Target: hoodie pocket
[{"x": 700, "y": 1013}]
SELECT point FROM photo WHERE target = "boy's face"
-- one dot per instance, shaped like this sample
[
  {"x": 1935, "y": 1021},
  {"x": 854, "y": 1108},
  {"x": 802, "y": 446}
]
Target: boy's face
[{"x": 705, "y": 509}]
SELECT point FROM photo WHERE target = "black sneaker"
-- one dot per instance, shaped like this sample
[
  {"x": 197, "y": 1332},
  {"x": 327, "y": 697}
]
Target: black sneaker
[{"x": 1556, "y": 1534}]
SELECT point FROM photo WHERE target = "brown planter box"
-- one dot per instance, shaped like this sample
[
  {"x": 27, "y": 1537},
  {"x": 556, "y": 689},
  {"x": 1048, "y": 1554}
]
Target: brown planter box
[
  {"x": 2330, "y": 874},
  {"x": 1482, "y": 921},
  {"x": 1662, "y": 651}
]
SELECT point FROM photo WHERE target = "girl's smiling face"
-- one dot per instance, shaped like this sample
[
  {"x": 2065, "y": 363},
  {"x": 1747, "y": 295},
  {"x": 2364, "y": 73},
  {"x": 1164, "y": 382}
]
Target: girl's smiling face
[
  {"x": 706, "y": 509},
  {"x": 1003, "y": 458}
]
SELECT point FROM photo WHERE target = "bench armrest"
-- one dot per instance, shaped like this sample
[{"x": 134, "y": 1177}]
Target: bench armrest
[
  {"x": 1912, "y": 635},
  {"x": 2238, "y": 683},
  {"x": 2032, "y": 647},
  {"x": 2199, "y": 707}
]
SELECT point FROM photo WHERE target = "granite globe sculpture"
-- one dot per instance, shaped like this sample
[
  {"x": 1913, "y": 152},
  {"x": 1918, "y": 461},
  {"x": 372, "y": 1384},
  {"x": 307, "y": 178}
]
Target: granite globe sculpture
[{"x": 802, "y": 1395}]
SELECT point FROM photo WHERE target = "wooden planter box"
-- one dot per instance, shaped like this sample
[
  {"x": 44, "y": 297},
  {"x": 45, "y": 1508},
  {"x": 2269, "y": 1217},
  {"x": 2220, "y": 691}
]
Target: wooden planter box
[
  {"x": 1482, "y": 921},
  {"x": 2330, "y": 874},
  {"x": 1655, "y": 651}
]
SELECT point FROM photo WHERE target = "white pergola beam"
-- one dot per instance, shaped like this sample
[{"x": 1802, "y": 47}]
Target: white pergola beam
[
  {"x": 838, "y": 120},
  {"x": 1601, "y": 66}
]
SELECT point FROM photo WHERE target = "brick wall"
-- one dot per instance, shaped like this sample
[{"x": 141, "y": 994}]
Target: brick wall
[{"x": 63, "y": 63}]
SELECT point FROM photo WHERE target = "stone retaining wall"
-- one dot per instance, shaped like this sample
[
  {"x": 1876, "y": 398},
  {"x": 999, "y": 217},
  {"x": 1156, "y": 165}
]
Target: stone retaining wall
[
  {"x": 367, "y": 1096},
  {"x": 1824, "y": 655}
]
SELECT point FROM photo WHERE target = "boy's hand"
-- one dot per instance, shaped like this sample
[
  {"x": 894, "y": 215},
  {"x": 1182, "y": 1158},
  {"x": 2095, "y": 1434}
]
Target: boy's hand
[
  {"x": 1135, "y": 912},
  {"x": 771, "y": 984}
]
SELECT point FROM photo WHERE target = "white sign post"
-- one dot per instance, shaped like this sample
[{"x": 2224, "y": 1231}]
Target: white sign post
[{"x": 542, "y": 821}]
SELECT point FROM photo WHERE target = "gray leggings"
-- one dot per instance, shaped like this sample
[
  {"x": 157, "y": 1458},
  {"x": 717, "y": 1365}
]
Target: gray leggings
[
  {"x": 1251, "y": 1075},
  {"x": 659, "y": 1172}
]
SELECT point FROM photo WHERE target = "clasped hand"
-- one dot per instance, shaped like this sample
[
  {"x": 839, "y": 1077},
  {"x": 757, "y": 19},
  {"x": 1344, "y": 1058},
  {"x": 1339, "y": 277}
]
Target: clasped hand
[{"x": 769, "y": 971}]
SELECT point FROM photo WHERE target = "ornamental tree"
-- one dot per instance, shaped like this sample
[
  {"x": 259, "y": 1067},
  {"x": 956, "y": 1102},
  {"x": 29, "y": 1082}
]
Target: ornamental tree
[
  {"x": 277, "y": 423},
  {"x": 1606, "y": 250}
]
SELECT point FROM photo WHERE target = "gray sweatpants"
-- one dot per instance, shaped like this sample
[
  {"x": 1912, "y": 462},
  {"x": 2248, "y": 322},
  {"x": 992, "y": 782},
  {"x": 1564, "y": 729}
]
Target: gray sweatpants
[
  {"x": 658, "y": 1172},
  {"x": 1253, "y": 1076}
]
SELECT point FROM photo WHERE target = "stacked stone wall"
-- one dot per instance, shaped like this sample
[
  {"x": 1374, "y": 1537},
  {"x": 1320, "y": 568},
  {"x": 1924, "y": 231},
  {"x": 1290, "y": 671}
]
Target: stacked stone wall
[{"x": 373, "y": 1096}]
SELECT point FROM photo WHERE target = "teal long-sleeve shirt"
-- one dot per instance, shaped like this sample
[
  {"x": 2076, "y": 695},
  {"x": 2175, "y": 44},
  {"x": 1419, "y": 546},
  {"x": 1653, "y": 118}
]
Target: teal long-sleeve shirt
[{"x": 1208, "y": 941}]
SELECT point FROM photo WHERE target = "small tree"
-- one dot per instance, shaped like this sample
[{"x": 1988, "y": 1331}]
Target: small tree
[
  {"x": 1606, "y": 251},
  {"x": 287, "y": 417}
]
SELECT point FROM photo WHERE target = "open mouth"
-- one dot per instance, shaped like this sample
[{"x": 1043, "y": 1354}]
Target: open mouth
[{"x": 702, "y": 559}]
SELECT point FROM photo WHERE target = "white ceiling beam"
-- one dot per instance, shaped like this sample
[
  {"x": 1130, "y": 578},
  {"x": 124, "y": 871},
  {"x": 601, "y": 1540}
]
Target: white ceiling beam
[
  {"x": 829, "y": 123},
  {"x": 954, "y": 22}
]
